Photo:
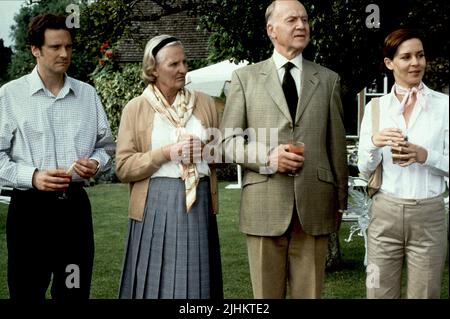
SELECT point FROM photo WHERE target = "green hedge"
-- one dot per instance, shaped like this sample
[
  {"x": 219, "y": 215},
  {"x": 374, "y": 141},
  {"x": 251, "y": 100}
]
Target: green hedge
[{"x": 116, "y": 88}]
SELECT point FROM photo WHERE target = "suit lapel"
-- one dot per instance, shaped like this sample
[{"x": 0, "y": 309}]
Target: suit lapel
[
  {"x": 273, "y": 86},
  {"x": 309, "y": 85}
]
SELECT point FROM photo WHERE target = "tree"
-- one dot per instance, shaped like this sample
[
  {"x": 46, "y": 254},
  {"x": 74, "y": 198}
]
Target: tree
[
  {"x": 100, "y": 21},
  {"x": 5, "y": 59},
  {"x": 340, "y": 39}
]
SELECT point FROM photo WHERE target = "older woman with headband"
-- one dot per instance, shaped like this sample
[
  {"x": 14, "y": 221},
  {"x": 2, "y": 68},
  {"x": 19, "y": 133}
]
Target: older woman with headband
[
  {"x": 408, "y": 225},
  {"x": 172, "y": 250}
]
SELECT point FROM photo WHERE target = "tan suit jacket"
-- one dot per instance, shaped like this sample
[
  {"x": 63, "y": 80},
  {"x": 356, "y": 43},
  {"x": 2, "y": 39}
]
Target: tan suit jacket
[{"x": 256, "y": 100}]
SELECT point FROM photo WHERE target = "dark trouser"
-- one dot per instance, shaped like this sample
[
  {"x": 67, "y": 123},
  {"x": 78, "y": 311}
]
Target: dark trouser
[{"x": 47, "y": 235}]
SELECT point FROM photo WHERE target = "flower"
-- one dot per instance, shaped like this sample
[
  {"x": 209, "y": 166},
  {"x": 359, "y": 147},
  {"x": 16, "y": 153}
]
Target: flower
[
  {"x": 104, "y": 47},
  {"x": 109, "y": 54},
  {"x": 106, "y": 59}
]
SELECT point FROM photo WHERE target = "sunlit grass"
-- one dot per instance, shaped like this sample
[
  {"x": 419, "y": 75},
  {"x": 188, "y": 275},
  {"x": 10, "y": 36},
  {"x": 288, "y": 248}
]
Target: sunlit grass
[{"x": 109, "y": 207}]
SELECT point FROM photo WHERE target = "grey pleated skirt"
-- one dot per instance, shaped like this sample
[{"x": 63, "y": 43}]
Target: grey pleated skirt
[{"x": 171, "y": 254}]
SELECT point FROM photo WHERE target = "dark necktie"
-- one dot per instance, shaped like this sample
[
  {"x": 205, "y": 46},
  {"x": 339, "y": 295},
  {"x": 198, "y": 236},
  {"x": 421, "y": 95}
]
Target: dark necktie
[{"x": 290, "y": 90}]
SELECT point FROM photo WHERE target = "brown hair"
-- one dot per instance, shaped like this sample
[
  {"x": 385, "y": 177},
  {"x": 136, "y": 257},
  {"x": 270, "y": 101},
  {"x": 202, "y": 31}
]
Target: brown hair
[
  {"x": 38, "y": 25},
  {"x": 396, "y": 38}
]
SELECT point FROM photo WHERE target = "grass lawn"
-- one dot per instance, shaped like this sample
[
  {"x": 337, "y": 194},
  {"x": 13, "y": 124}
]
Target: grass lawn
[{"x": 109, "y": 205}]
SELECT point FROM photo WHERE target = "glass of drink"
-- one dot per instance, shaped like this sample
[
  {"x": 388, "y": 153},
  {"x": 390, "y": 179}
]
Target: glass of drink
[
  {"x": 398, "y": 160},
  {"x": 298, "y": 148},
  {"x": 66, "y": 174}
]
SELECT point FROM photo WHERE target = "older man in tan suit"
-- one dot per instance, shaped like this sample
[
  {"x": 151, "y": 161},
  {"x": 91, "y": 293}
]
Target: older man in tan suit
[{"x": 287, "y": 218}]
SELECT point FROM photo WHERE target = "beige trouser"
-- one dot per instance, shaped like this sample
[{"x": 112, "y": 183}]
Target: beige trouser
[
  {"x": 296, "y": 258},
  {"x": 410, "y": 231}
]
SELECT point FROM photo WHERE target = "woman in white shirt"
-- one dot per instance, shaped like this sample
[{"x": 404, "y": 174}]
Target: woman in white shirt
[{"x": 408, "y": 224}]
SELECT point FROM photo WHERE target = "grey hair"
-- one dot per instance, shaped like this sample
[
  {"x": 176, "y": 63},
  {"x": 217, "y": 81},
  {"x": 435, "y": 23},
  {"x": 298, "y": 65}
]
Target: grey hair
[
  {"x": 270, "y": 10},
  {"x": 149, "y": 61}
]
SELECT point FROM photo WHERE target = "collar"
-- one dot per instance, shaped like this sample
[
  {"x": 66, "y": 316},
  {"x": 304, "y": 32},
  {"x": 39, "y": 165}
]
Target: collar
[
  {"x": 36, "y": 84},
  {"x": 280, "y": 60}
]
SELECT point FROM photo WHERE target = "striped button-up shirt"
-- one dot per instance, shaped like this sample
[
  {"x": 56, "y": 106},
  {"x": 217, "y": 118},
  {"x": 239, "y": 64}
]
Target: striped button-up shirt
[{"x": 41, "y": 131}]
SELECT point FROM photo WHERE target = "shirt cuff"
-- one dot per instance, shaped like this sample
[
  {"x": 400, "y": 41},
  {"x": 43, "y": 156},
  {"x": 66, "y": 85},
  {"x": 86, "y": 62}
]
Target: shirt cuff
[
  {"x": 99, "y": 166},
  {"x": 432, "y": 159},
  {"x": 265, "y": 168},
  {"x": 25, "y": 176},
  {"x": 372, "y": 147}
]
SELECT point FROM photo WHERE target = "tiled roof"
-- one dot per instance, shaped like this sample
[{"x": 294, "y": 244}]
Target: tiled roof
[{"x": 180, "y": 25}]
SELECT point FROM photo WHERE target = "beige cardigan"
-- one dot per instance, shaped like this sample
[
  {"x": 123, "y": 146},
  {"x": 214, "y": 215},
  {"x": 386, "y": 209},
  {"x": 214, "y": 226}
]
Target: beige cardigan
[{"x": 136, "y": 162}]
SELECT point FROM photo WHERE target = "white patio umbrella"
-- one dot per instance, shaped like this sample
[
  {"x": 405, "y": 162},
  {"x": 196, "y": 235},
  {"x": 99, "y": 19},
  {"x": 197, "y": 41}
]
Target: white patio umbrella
[{"x": 212, "y": 79}]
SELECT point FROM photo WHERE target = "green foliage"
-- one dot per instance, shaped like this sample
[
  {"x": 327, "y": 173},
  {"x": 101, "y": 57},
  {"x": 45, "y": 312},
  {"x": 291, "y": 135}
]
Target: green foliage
[
  {"x": 437, "y": 73},
  {"x": 100, "y": 21},
  {"x": 340, "y": 38},
  {"x": 22, "y": 62},
  {"x": 195, "y": 64},
  {"x": 26, "y": 13},
  {"x": 238, "y": 29},
  {"x": 5, "y": 59},
  {"x": 116, "y": 87},
  {"x": 227, "y": 172}
]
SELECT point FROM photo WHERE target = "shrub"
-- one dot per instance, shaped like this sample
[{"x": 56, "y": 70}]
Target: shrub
[
  {"x": 116, "y": 86},
  {"x": 108, "y": 176},
  {"x": 227, "y": 172}
]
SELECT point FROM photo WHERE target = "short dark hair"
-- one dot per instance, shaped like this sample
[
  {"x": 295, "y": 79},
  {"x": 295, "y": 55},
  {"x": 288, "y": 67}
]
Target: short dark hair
[
  {"x": 396, "y": 38},
  {"x": 38, "y": 25}
]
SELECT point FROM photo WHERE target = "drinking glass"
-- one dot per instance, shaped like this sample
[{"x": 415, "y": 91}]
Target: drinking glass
[
  {"x": 66, "y": 174},
  {"x": 398, "y": 160},
  {"x": 298, "y": 148}
]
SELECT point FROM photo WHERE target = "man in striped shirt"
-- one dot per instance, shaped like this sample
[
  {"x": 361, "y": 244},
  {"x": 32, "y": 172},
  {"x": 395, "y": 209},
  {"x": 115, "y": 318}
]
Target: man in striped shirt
[{"x": 54, "y": 136}]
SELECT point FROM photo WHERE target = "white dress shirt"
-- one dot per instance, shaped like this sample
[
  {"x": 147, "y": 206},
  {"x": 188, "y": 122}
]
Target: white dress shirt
[
  {"x": 41, "y": 131},
  {"x": 428, "y": 128},
  {"x": 163, "y": 133},
  {"x": 296, "y": 71}
]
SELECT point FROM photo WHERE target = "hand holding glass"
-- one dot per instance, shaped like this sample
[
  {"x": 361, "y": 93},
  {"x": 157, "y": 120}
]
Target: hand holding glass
[
  {"x": 298, "y": 148},
  {"x": 67, "y": 174},
  {"x": 398, "y": 152}
]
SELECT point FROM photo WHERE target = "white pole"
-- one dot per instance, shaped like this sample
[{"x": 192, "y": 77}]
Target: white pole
[
  {"x": 239, "y": 183},
  {"x": 239, "y": 175},
  {"x": 385, "y": 84}
]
